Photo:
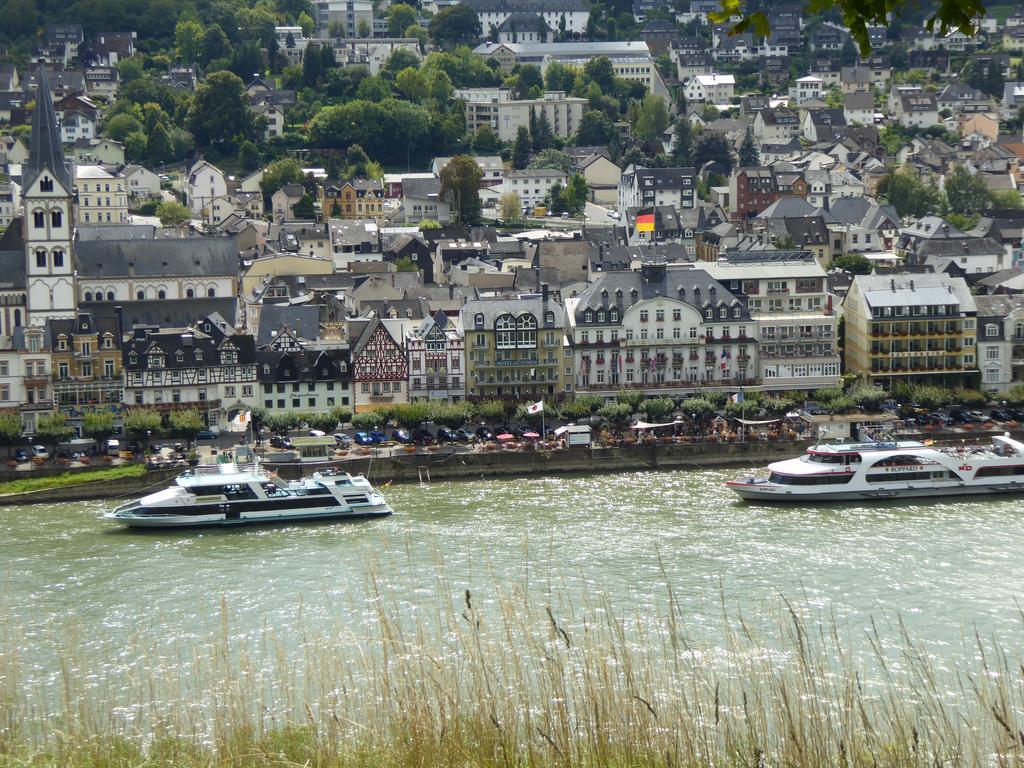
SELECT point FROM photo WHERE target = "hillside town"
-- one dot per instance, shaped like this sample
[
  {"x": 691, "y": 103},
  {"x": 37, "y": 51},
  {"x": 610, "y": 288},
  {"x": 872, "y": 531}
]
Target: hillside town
[{"x": 347, "y": 206}]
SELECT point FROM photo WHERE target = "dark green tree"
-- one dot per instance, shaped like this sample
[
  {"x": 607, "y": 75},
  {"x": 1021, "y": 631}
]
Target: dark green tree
[
  {"x": 854, "y": 263},
  {"x": 595, "y": 129},
  {"x": 400, "y": 18},
  {"x": 528, "y": 82},
  {"x": 713, "y": 146},
  {"x": 521, "y": 149},
  {"x": 682, "y": 144},
  {"x": 158, "y": 145},
  {"x": 248, "y": 157},
  {"x": 219, "y": 113},
  {"x": 455, "y": 25},
  {"x": 304, "y": 209},
  {"x": 600, "y": 70},
  {"x": 967, "y": 193},
  {"x": 749, "y": 154},
  {"x": 541, "y": 133},
  {"x": 460, "y": 186}
]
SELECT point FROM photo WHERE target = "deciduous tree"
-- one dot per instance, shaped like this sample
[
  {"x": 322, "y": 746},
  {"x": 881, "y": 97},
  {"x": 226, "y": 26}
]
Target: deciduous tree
[
  {"x": 460, "y": 186},
  {"x": 454, "y": 25},
  {"x": 219, "y": 113},
  {"x": 172, "y": 213}
]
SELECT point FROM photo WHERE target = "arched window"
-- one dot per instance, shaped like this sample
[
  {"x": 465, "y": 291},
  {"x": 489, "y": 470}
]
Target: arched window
[
  {"x": 190, "y": 294},
  {"x": 56, "y": 218},
  {"x": 140, "y": 295},
  {"x": 478, "y": 319},
  {"x": 46, "y": 185},
  {"x": 549, "y": 318},
  {"x": 505, "y": 332},
  {"x": 211, "y": 292},
  {"x": 41, "y": 258},
  {"x": 526, "y": 331},
  {"x": 58, "y": 257},
  {"x": 88, "y": 295},
  {"x": 161, "y": 294},
  {"x": 110, "y": 295},
  {"x": 38, "y": 219}
]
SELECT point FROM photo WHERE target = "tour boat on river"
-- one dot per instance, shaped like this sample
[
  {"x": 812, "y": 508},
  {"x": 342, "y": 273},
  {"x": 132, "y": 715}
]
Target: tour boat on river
[
  {"x": 845, "y": 471},
  {"x": 230, "y": 494}
]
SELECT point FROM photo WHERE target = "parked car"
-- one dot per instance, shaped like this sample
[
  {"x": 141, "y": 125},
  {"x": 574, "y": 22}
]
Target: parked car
[
  {"x": 317, "y": 433},
  {"x": 40, "y": 452},
  {"x": 281, "y": 442},
  {"x": 422, "y": 436},
  {"x": 22, "y": 455},
  {"x": 402, "y": 436},
  {"x": 965, "y": 417},
  {"x": 445, "y": 435},
  {"x": 484, "y": 434},
  {"x": 343, "y": 441},
  {"x": 206, "y": 434},
  {"x": 464, "y": 435},
  {"x": 363, "y": 438},
  {"x": 378, "y": 437},
  {"x": 1000, "y": 414}
]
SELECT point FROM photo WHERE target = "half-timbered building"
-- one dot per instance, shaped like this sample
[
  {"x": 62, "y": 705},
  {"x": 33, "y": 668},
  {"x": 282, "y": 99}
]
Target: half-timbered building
[
  {"x": 295, "y": 375},
  {"x": 380, "y": 368},
  {"x": 437, "y": 360},
  {"x": 207, "y": 365}
]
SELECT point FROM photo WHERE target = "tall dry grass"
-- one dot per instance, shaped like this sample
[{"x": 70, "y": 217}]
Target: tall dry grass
[{"x": 505, "y": 679}]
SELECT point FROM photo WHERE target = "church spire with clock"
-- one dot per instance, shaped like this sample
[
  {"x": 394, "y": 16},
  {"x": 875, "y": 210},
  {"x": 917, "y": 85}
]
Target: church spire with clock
[{"x": 47, "y": 191}]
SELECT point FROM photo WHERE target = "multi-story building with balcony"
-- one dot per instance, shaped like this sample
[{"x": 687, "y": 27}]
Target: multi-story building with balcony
[
  {"x": 86, "y": 364},
  {"x": 25, "y": 375},
  {"x": 514, "y": 348},
  {"x": 1000, "y": 341},
  {"x": 653, "y": 187},
  {"x": 911, "y": 328},
  {"x": 507, "y": 116},
  {"x": 204, "y": 366},
  {"x": 791, "y": 312},
  {"x": 661, "y": 329},
  {"x": 437, "y": 360}
]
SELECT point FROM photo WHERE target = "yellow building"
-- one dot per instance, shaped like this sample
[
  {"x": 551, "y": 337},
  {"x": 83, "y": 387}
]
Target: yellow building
[
  {"x": 280, "y": 265},
  {"x": 86, "y": 358},
  {"x": 911, "y": 329},
  {"x": 356, "y": 199},
  {"x": 515, "y": 348}
]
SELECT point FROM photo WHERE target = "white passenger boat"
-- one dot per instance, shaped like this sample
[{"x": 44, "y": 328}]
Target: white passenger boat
[
  {"x": 844, "y": 471},
  {"x": 229, "y": 494}
]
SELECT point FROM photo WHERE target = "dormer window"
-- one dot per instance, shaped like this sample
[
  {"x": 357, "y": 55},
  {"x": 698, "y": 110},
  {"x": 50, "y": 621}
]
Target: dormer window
[
  {"x": 62, "y": 343},
  {"x": 133, "y": 359},
  {"x": 709, "y": 313},
  {"x": 588, "y": 316},
  {"x": 108, "y": 342},
  {"x": 613, "y": 315},
  {"x": 266, "y": 369},
  {"x": 478, "y": 319},
  {"x": 155, "y": 361},
  {"x": 179, "y": 356},
  {"x": 46, "y": 184},
  {"x": 198, "y": 355},
  {"x": 600, "y": 316},
  {"x": 228, "y": 358}
]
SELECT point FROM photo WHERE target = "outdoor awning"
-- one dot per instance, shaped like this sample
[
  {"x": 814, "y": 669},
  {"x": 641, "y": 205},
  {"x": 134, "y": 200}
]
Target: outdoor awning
[
  {"x": 750, "y": 423},
  {"x": 647, "y": 425}
]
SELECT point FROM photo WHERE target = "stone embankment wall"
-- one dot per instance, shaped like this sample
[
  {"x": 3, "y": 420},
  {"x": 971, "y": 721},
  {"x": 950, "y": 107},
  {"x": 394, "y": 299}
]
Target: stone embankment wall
[
  {"x": 413, "y": 467},
  {"x": 96, "y": 489}
]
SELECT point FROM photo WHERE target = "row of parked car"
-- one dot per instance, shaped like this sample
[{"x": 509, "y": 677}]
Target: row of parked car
[
  {"x": 418, "y": 436},
  {"x": 916, "y": 416}
]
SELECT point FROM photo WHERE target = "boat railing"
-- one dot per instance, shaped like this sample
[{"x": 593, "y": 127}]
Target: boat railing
[{"x": 210, "y": 470}]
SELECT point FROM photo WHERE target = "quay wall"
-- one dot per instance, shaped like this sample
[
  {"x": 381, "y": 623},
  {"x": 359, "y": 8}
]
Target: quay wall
[
  {"x": 91, "y": 490},
  {"x": 413, "y": 467}
]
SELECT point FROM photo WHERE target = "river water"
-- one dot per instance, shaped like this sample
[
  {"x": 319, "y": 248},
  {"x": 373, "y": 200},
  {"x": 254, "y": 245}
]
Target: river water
[{"x": 945, "y": 569}]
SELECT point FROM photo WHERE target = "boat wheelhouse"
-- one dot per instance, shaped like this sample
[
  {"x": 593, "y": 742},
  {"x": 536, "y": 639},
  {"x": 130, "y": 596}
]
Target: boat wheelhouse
[
  {"x": 847, "y": 471},
  {"x": 229, "y": 494}
]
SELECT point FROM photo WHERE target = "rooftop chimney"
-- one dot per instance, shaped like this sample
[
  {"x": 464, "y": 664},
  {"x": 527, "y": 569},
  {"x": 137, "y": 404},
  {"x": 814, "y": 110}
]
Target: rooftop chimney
[
  {"x": 892, "y": 284},
  {"x": 544, "y": 293}
]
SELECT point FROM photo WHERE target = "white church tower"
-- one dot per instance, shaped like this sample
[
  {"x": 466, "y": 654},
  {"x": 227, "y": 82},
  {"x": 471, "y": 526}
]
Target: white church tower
[{"x": 47, "y": 190}]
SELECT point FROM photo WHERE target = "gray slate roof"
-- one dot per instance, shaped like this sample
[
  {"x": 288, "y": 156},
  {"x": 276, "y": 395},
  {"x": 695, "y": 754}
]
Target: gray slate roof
[{"x": 155, "y": 258}]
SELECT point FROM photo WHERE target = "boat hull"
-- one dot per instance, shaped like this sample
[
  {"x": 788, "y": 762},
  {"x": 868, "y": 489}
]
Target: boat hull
[
  {"x": 156, "y": 519},
  {"x": 781, "y": 495}
]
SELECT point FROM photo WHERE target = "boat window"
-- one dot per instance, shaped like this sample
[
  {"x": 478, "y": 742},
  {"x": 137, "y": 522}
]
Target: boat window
[
  {"x": 321, "y": 491},
  {"x": 827, "y": 458},
  {"x": 274, "y": 490},
  {"x": 901, "y": 477},
  {"x": 836, "y": 479},
  {"x": 901, "y": 461},
  {"x": 1000, "y": 471}
]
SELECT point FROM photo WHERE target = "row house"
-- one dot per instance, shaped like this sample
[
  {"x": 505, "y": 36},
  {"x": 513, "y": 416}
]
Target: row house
[
  {"x": 514, "y": 348},
  {"x": 294, "y": 376},
  {"x": 86, "y": 365},
  {"x": 662, "y": 329},
  {"x": 653, "y": 187},
  {"x": 437, "y": 360},
  {"x": 208, "y": 366},
  {"x": 1000, "y": 341},
  {"x": 380, "y": 366},
  {"x": 791, "y": 314},
  {"x": 918, "y": 328}
]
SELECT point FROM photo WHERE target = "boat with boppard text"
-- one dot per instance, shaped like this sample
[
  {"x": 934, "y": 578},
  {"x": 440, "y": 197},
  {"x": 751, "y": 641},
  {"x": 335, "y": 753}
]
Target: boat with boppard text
[
  {"x": 880, "y": 470},
  {"x": 229, "y": 494}
]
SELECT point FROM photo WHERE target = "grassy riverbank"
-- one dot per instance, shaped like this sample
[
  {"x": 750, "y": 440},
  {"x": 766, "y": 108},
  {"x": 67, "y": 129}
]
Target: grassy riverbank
[
  {"x": 498, "y": 680},
  {"x": 29, "y": 483}
]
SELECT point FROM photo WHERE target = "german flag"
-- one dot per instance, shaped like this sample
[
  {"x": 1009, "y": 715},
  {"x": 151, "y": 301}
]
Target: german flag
[{"x": 645, "y": 222}]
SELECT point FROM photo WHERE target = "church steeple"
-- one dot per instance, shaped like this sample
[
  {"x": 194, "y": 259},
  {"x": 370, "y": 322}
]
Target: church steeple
[{"x": 47, "y": 151}]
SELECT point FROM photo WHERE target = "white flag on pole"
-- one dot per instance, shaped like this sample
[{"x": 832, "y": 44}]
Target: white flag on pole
[{"x": 537, "y": 407}]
